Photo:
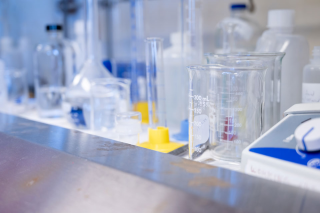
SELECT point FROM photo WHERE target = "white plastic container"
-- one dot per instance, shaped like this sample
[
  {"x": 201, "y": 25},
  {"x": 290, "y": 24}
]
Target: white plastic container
[
  {"x": 237, "y": 33},
  {"x": 280, "y": 38},
  {"x": 311, "y": 79},
  {"x": 176, "y": 81}
]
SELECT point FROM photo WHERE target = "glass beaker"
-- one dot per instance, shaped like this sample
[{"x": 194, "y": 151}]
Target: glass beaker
[
  {"x": 108, "y": 97},
  {"x": 272, "y": 61},
  {"x": 128, "y": 127},
  {"x": 224, "y": 109}
]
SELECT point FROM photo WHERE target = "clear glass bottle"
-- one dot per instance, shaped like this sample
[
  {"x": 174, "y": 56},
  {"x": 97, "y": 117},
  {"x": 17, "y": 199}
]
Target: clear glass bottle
[
  {"x": 76, "y": 103},
  {"x": 15, "y": 77},
  {"x": 238, "y": 32},
  {"x": 311, "y": 79},
  {"x": 53, "y": 70}
]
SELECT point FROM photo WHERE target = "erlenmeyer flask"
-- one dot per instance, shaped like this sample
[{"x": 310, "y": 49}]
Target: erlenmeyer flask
[
  {"x": 272, "y": 88},
  {"x": 76, "y": 104}
]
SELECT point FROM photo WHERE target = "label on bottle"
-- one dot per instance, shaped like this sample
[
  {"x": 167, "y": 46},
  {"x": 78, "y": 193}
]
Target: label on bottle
[
  {"x": 310, "y": 92},
  {"x": 77, "y": 116}
]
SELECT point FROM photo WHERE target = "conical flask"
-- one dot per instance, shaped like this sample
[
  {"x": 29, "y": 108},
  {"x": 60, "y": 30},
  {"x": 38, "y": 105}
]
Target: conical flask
[{"x": 76, "y": 103}]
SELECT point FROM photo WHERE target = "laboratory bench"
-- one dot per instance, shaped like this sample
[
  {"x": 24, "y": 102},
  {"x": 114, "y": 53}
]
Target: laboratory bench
[{"x": 50, "y": 168}]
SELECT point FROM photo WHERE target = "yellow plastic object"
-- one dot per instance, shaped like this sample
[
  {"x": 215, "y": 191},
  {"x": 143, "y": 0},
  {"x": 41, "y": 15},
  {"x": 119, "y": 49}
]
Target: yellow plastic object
[
  {"x": 159, "y": 140},
  {"x": 142, "y": 107}
]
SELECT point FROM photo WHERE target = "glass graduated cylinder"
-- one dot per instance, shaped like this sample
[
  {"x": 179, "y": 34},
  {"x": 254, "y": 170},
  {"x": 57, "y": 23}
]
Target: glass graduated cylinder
[{"x": 224, "y": 109}]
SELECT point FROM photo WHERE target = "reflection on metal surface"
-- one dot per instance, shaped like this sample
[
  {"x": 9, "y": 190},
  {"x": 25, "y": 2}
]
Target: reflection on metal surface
[{"x": 46, "y": 168}]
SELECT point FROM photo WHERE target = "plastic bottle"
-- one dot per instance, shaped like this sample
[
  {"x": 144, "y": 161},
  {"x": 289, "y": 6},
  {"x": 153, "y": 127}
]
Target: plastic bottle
[
  {"x": 280, "y": 38},
  {"x": 76, "y": 103},
  {"x": 244, "y": 34},
  {"x": 54, "y": 70},
  {"x": 311, "y": 79},
  {"x": 175, "y": 75}
]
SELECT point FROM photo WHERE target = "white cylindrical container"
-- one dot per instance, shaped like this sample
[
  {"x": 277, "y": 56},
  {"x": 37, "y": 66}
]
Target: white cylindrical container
[{"x": 311, "y": 78}]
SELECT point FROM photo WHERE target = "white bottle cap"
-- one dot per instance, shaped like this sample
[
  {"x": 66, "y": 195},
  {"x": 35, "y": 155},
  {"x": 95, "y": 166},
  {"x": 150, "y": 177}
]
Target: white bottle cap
[
  {"x": 308, "y": 135},
  {"x": 281, "y": 18}
]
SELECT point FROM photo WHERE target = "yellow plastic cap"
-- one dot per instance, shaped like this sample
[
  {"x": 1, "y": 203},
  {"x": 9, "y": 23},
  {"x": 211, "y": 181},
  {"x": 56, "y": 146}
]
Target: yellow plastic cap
[{"x": 159, "y": 140}]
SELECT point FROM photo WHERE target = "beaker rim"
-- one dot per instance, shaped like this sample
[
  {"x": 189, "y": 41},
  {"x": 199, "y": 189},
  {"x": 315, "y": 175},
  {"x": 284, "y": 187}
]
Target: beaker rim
[
  {"x": 152, "y": 39},
  {"x": 111, "y": 81},
  {"x": 243, "y": 54},
  {"x": 223, "y": 68}
]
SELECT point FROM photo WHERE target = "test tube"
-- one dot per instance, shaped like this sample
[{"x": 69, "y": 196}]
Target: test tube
[
  {"x": 155, "y": 82},
  {"x": 128, "y": 127}
]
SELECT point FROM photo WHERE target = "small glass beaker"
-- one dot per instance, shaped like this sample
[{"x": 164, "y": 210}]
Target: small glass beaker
[
  {"x": 128, "y": 127},
  {"x": 272, "y": 61},
  {"x": 108, "y": 97},
  {"x": 224, "y": 109}
]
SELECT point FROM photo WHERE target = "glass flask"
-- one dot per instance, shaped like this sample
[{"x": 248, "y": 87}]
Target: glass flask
[
  {"x": 54, "y": 63},
  {"x": 237, "y": 33},
  {"x": 76, "y": 103},
  {"x": 224, "y": 109},
  {"x": 272, "y": 61}
]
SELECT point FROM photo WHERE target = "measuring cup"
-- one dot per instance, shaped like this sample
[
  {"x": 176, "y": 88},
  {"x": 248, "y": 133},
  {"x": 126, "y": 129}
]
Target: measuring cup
[
  {"x": 225, "y": 109},
  {"x": 272, "y": 61}
]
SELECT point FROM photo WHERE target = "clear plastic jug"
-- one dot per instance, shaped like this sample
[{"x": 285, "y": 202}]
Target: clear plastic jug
[
  {"x": 224, "y": 109},
  {"x": 272, "y": 61}
]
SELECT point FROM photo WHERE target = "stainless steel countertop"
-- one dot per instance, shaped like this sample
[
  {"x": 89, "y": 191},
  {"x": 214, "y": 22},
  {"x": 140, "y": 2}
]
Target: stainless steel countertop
[{"x": 45, "y": 168}]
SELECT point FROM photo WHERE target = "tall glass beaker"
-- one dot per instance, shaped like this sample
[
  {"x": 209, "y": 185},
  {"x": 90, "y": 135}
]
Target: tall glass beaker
[
  {"x": 224, "y": 109},
  {"x": 272, "y": 61}
]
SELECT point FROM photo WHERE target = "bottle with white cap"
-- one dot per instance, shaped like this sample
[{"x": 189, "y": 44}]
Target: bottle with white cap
[
  {"x": 311, "y": 78},
  {"x": 280, "y": 38},
  {"x": 176, "y": 79}
]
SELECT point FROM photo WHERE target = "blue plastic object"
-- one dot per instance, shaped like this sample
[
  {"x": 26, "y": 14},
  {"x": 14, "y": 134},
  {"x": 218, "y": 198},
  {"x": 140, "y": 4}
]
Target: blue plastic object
[
  {"x": 238, "y": 6},
  {"x": 184, "y": 131}
]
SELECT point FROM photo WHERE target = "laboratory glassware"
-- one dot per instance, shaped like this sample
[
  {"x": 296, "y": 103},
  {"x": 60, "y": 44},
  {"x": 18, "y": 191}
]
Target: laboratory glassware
[
  {"x": 3, "y": 85},
  {"x": 108, "y": 97},
  {"x": 237, "y": 33},
  {"x": 137, "y": 50},
  {"x": 191, "y": 17},
  {"x": 272, "y": 61},
  {"x": 128, "y": 127},
  {"x": 158, "y": 133},
  {"x": 279, "y": 38},
  {"x": 54, "y": 66},
  {"x": 311, "y": 78},
  {"x": 76, "y": 103},
  {"x": 15, "y": 77},
  {"x": 225, "y": 105},
  {"x": 155, "y": 82}
]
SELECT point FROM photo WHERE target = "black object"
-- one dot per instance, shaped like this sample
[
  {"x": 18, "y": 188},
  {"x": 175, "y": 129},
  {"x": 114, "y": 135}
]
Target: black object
[{"x": 53, "y": 27}]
